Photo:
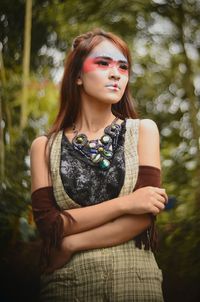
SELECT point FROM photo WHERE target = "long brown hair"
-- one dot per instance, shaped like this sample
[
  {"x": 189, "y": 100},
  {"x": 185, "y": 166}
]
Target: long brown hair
[{"x": 70, "y": 91}]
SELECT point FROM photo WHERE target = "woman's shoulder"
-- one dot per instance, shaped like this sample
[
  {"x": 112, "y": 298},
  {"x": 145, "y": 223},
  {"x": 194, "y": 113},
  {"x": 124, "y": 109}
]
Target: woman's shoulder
[
  {"x": 145, "y": 125},
  {"x": 39, "y": 143},
  {"x": 39, "y": 155},
  {"x": 39, "y": 140},
  {"x": 148, "y": 131},
  {"x": 149, "y": 143},
  {"x": 148, "y": 125}
]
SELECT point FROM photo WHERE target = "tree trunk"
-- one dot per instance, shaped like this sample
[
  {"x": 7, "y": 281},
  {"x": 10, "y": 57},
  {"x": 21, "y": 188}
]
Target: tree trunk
[
  {"x": 2, "y": 146},
  {"x": 26, "y": 63}
]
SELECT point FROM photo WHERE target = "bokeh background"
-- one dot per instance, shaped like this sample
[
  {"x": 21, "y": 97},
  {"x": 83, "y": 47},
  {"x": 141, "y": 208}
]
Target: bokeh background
[{"x": 164, "y": 38}]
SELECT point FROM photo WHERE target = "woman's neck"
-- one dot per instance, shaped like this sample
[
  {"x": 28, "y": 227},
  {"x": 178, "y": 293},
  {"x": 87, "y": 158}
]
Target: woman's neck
[{"x": 94, "y": 117}]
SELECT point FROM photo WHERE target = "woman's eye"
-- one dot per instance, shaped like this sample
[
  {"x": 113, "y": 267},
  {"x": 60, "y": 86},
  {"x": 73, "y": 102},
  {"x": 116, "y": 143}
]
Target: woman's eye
[
  {"x": 123, "y": 66},
  {"x": 102, "y": 63}
]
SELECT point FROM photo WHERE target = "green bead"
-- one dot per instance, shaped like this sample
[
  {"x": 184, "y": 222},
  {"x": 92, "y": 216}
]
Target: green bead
[
  {"x": 104, "y": 164},
  {"x": 108, "y": 153}
]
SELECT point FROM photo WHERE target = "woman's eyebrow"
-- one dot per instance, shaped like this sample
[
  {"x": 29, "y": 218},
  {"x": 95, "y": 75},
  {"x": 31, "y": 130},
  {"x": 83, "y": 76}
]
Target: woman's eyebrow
[{"x": 110, "y": 59}]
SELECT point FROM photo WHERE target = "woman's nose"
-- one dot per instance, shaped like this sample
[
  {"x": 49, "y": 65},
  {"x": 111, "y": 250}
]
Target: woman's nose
[{"x": 114, "y": 73}]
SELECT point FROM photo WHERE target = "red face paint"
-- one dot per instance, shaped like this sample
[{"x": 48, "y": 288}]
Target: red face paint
[
  {"x": 89, "y": 65},
  {"x": 104, "y": 63}
]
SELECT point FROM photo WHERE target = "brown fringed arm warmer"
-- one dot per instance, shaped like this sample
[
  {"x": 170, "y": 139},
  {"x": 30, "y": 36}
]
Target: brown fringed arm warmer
[
  {"x": 148, "y": 176},
  {"x": 47, "y": 217}
]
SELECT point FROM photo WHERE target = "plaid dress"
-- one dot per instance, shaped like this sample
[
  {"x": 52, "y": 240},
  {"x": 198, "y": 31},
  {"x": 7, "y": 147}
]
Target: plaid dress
[{"x": 121, "y": 273}]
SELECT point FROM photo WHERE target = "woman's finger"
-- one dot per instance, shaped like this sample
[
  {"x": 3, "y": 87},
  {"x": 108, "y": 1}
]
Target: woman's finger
[
  {"x": 160, "y": 205},
  {"x": 161, "y": 192},
  {"x": 159, "y": 197}
]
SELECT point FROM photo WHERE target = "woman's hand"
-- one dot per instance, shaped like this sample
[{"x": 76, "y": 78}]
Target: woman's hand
[
  {"x": 59, "y": 256},
  {"x": 146, "y": 200}
]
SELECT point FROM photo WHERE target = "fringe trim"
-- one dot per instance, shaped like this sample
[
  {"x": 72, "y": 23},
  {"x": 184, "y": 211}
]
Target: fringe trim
[
  {"x": 149, "y": 238},
  {"x": 53, "y": 239}
]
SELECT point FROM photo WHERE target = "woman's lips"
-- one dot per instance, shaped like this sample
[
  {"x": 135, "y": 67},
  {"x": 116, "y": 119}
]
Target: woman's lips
[{"x": 114, "y": 87}]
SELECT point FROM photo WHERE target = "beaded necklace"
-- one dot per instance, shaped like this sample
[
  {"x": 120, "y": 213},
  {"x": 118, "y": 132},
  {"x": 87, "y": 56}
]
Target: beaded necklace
[{"x": 99, "y": 151}]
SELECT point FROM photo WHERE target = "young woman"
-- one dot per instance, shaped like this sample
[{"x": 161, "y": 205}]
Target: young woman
[{"x": 96, "y": 183}]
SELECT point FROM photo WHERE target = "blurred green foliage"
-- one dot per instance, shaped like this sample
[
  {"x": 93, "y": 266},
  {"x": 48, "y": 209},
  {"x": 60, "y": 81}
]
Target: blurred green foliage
[{"x": 164, "y": 38}]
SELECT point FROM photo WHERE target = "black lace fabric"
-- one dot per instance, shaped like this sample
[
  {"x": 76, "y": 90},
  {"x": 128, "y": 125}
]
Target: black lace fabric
[{"x": 86, "y": 183}]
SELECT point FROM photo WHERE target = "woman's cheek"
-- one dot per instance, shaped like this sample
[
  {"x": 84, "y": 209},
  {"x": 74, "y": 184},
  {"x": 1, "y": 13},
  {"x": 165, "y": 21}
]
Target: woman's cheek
[
  {"x": 125, "y": 83},
  {"x": 89, "y": 66}
]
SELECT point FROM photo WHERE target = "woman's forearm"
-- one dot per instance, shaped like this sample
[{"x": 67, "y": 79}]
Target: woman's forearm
[
  {"x": 142, "y": 201},
  {"x": 54, "y": 223},
  {"x": 113, "y": 233},
  {"x": 110, "y": 234},
  {"x": 90, "y": 217}
]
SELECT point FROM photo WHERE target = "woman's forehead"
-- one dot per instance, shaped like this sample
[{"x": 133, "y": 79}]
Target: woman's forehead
[{"x": 109, "y": 50}]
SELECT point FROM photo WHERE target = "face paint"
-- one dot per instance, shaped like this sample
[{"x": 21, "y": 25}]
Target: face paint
[
  {"x": 115, "y": 55},
  {"x": 105, "y": 74},
  {"x": 105, "y": 62}
]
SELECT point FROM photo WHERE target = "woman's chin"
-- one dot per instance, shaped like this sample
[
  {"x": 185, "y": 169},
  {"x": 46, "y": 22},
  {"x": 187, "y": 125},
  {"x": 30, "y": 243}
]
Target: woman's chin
[{"x": 110, "y": 101}]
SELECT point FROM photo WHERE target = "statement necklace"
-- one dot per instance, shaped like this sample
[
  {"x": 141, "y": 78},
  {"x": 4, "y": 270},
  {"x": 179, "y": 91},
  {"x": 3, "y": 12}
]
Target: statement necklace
[{"x": 99, "y": 151}]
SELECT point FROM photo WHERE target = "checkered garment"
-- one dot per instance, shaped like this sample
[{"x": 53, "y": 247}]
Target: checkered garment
[{"x": 122, "y": 273}]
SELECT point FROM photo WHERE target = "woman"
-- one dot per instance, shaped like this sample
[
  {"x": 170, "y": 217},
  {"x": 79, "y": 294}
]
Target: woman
[{"x": 96, "y": 183}]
